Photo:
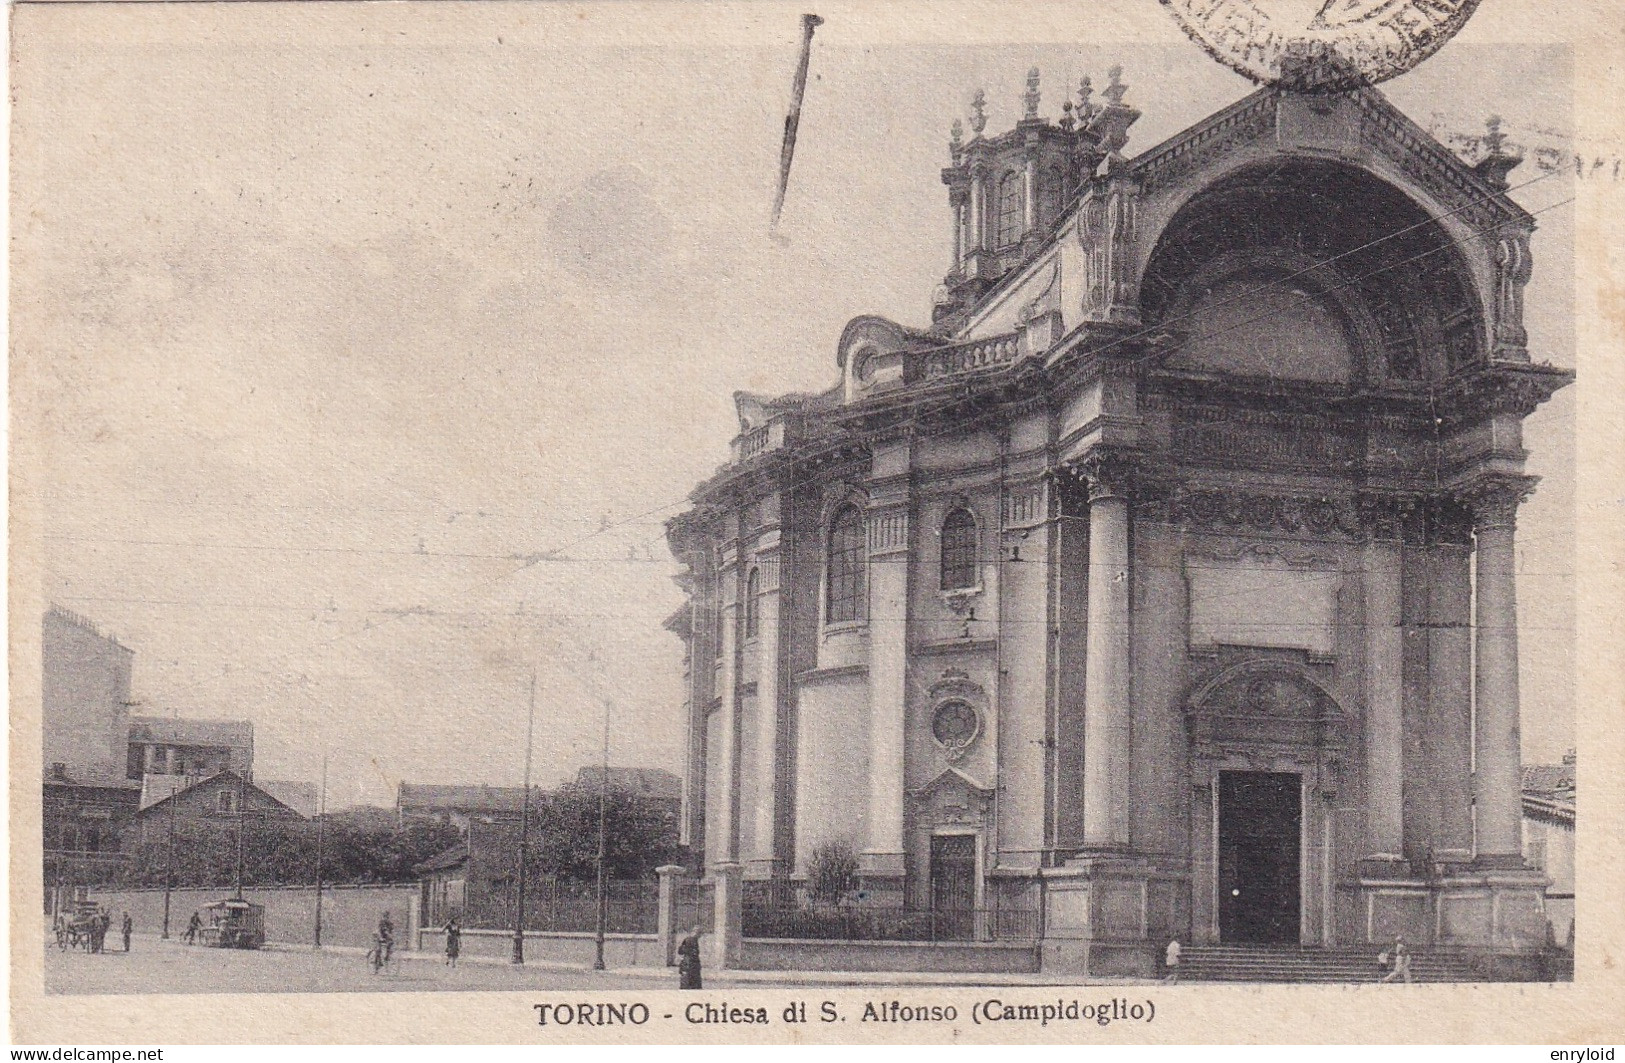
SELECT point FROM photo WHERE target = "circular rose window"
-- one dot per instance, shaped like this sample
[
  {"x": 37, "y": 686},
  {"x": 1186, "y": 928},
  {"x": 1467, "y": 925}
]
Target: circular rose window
[{"x": 954, "y": 724}]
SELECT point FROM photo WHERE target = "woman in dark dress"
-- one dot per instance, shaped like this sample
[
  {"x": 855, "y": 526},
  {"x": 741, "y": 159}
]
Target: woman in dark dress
[
  {"x": 454, "y": 941},
  {"x": 688, "y": 961}
]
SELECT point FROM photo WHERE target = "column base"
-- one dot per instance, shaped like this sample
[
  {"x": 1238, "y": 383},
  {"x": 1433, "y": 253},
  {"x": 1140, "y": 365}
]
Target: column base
[
  {"x": 1481, "y": 910},
  {"x": 1499, "y": 862},
  {"x": 1104, "y": 916},
  {"x": 881, "y": 879},
  {"x": 1501, "y": 910}
]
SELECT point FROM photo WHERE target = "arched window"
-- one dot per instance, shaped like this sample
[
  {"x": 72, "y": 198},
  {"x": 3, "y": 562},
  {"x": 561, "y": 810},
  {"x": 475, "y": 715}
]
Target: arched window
[
  {"x": 753, "y": 589},
  {"x": 1008, "y": 230},
  {"x": 1054, "y": 201},
  {"x": 958, "y": 550},
  {"x": 845, "y": 591}
]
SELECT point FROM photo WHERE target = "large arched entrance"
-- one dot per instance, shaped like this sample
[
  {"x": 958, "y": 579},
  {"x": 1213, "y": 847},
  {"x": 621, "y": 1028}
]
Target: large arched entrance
[{"x": 1267, "y": 742}]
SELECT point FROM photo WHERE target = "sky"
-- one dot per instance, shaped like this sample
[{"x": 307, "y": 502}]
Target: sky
[{"x": 366, "y": 348}]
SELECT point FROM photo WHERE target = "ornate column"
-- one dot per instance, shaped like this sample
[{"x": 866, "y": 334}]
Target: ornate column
[
  {"x": 956, "y": 203},
  {"x": 723, "y": 845},
  {"x": 1107, "y": 722},
  {"x": 1384, "y": 688},
  {"x": 1029, "y": 191},
  {"x": 764, "y": 861},
  {"x": 978, "y": 207},
  {"x": 881, "y": 862},
  {"x": 1497, "y": 786}
]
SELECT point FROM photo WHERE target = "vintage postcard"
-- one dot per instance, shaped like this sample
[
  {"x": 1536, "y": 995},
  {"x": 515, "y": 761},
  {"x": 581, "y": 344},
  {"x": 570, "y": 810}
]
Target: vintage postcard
[{"x": 1088, "y": 522}]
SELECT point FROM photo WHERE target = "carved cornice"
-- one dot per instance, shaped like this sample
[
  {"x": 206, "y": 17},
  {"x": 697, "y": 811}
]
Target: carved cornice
[
  {"x": 1225, "y": 509},
  {"x": 1516, "y": 389},
  {"x": 1243, "y": 123}
]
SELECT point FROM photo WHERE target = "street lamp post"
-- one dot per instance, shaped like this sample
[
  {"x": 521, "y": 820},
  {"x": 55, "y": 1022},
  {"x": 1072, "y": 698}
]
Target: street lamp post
[
  {"x": 603, "y": 881},
  {"x": 524, "y": 831},
  {"x": 169, "y": 861},
  {"x": 321, "y": 819},
  {"x": 242, "y": 826}
]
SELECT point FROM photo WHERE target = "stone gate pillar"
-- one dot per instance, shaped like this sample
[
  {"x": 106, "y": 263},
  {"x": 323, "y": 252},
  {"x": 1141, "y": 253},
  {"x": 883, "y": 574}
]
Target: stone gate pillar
[{"x": 666, "y": 928}]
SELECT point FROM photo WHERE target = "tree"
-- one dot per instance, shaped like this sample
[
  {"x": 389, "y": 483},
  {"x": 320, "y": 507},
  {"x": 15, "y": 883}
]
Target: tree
[
  {"x": 832, "y": 872},
  {"x": 640, "y": 834},
  {"x": 278, "y": 852}
]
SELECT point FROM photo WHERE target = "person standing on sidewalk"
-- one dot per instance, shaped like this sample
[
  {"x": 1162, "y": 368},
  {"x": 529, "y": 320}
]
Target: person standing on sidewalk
[
  {"x": 126, "y": 927},
  {"x": 688, "y": 961},
  {"x": 454, "y": 941}
]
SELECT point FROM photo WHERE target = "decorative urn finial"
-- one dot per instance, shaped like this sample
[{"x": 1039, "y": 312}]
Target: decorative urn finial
[
  {"x": 1030, "y": 97},
  {"x": 1499, "y": 158},
  {"x": 957, "y": 134},
  {"x": 978, "y": 112},
  {"x": 1066, "y": 116},
  {"x": 1086, "y": 89},
  {"x": 1114, "y": 92}
]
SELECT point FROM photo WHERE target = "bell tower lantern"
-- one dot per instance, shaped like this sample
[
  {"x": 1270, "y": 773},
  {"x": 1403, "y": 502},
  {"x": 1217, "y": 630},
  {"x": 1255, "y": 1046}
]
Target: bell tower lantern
[{"x": 1007, "y": 192}]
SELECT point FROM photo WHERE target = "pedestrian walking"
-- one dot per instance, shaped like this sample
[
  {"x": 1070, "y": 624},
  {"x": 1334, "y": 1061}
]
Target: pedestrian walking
[
  {"x": 98, "y": 931},
  {"x": 688, "y": 961},
  {"x": 454, "y": 941},
  {"x": 193, "y": 925},
  {"x": 1398, "y": 962},
  {"x": 126, "y": 927},
  {"x": 1170, "y": 962}
]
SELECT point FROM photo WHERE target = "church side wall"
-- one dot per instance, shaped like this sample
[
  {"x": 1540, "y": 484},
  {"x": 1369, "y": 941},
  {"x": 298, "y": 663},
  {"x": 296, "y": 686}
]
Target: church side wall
[{"x": 832, "y": 772}]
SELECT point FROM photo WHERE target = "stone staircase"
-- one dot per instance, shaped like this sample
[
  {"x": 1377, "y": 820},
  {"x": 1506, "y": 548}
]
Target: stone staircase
[{"x": 1291, "y": 963}]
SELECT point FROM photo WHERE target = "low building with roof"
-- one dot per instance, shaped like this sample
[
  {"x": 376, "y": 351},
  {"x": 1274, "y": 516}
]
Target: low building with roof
[
  {"x": 223, "y": 798},
  {"x": 1548, "y": 837}
]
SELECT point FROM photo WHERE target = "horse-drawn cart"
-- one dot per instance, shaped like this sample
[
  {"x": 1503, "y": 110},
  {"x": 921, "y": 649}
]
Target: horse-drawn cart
[{"x": 78, "y": 926}]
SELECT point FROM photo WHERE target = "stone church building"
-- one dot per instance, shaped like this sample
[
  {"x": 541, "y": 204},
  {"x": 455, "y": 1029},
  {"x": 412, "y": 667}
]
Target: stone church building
[{"x": 1163, "y": 584}]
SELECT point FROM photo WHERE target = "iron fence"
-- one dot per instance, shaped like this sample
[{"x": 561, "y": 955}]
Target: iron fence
[
  {"x": 567, "y": 907},
  {"x": 863, "y": 923}
]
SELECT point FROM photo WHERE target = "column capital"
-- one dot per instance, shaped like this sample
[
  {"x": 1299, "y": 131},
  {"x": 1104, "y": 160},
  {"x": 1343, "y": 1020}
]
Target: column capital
[
  {"x": 1389, "y": 518},
  {"x": 1106, "y": 472},
  {"x": 1494, "y": 500}
]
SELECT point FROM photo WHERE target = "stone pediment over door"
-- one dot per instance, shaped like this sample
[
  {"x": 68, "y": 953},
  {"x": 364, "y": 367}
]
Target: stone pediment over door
[
  {"x": 1263, "y": 704},
  {"x": 952, "y": 799}
]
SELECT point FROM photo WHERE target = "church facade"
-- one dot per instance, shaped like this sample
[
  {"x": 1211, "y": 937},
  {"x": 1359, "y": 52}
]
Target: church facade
[{"x": 1163, "y": 585}]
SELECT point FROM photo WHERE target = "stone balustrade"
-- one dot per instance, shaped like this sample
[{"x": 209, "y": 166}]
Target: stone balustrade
[
  {"x": 758, "y": 441},
  {"x": 970, "y": 357}
]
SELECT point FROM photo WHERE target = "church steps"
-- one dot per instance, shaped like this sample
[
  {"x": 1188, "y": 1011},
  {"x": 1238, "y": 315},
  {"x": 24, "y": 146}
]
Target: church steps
[{"x": 1262, "y": 963}]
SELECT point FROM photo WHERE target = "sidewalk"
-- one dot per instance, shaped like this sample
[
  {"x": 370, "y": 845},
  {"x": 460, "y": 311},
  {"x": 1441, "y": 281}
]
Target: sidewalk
[{"x": 735, "y": 976}]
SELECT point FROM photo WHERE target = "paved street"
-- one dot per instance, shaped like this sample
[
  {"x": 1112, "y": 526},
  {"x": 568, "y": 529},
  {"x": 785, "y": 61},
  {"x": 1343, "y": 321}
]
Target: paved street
[{"x": 155, "y": 966}]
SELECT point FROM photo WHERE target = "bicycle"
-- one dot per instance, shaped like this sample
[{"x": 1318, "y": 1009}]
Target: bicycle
[{"x": 380, "y": 955}]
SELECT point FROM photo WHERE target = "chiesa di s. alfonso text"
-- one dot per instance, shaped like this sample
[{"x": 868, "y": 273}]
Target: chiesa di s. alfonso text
[{"x": 1163, "y": 585}]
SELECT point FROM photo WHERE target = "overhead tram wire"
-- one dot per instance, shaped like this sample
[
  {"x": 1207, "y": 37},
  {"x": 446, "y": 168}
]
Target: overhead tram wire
[
  {"x": 532, "y": 559},
  {"x": 550, "y": 554}
]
